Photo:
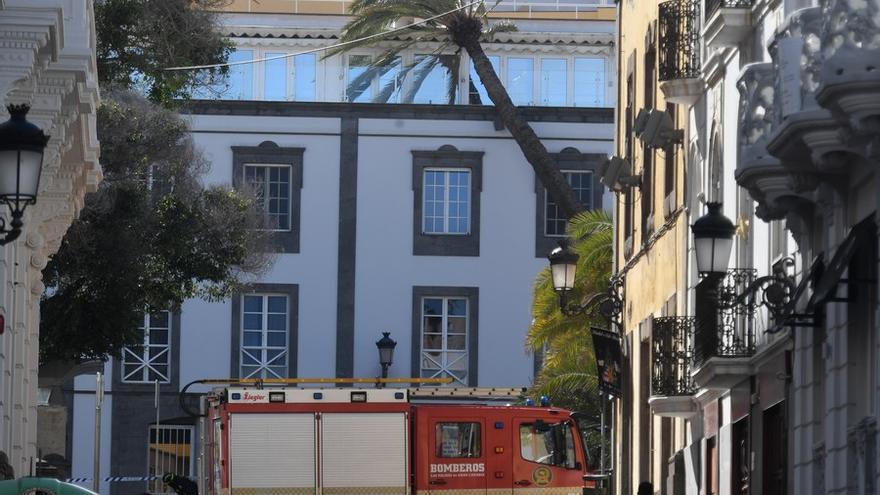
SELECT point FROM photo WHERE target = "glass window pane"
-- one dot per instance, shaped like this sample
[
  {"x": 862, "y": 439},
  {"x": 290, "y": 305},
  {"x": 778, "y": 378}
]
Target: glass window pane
[
  {"x": 276, "y": 322},
  {"x": 457, "y": 307},
  {"x": 275, "y": 78},
  {"x": 431, "y": 79},
  {"x": 432, "y": 306},
  {"x": 158, "y": 337},
  {"x": 278, "y": 371},
  {"x": 129, "y": 372},
  {"x": 305, "y": 78},
  {"x": 252, "y": 339},
  {"x": 456, "y": 360},
  {"x": 159, "y": 319},
  {"x": 432, "y": 341},
  {"x": 553, "y": 82},
  {"x": 277, "y": 304},
  {"x": 253, "y": 304},
  {"x": 589, "y": 82},
  {"x": 520, "y": 80},
  {"x": 275, "y": 357},
  {"x": 477, "y": 91},
  {"x": 158, "y": 372},
  {"x": 240, "y": 79},
  {"x": 456, "y": 325},
  {"x": 252, "y": 321},
  {"x": 458, "y": 440},
  {"x": 433, "y": 324},
  {"x": 276, "y": 339},
  {"x": 555, "y": 220},
  {"x": 390, "y": 82},
  {"x": 431, "y": 360},
  {"x": 456, "y": 342},
  {"x": 358, "y": 85}
]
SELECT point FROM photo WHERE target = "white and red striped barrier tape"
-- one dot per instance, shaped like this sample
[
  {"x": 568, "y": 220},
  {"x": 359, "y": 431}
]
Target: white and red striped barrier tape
[{"x": 114, "y": 479}]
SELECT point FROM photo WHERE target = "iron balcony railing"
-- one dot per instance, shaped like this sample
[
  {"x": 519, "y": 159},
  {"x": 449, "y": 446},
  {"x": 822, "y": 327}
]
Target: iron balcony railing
[
  {"x": 679, "y": 40},
  {"x": 730, "y": 333},
  {"x": 713, "y": 6},
  {"x": 673, "y": 356}
]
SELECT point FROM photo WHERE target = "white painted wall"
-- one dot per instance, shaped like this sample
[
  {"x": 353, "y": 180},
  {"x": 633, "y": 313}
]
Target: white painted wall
[{"x": 386, "y": 270}]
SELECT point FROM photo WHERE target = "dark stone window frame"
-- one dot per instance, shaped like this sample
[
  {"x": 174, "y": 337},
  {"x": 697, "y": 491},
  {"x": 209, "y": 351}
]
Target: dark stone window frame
[
  {"x": 292, "y": 293},
  {"x": 569, "y": 159},
  {"x": 270, "y": 153},
  {"x": 473, "y": 296},
  {"x": 173, "y": 384},
  {"x": 447, "y": 156}
]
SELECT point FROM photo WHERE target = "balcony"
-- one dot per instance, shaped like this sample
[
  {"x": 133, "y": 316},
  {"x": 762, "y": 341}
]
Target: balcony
[
  {"x": 806, "y": 137},
  {"x": 728, "y": 22},
  {"x": 850, "y": 79},
  {"x": 679, "y": 57},
  {"x": 763, "y": 175},
  {"x": 723, "y": 347},
  {"x": 671, "y": 385}
]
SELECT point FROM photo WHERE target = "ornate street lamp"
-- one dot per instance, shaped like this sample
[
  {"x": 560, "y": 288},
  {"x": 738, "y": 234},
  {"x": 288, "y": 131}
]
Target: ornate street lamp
[
  {"x": 713, "y": 240},
  {"x": 563, "y": 269},
  {"x": 21, "y": 158},
  {"x": 386, "y": 347}
]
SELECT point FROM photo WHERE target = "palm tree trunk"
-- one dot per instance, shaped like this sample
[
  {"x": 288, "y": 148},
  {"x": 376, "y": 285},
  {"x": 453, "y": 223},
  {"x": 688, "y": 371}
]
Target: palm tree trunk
[{"x": 537, "y": 155}]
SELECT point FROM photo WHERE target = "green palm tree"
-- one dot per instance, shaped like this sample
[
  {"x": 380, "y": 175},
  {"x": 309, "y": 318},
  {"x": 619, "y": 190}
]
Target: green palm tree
[
  {"x": 456, "y": 25},
  {"x": 568, "y": 373}
]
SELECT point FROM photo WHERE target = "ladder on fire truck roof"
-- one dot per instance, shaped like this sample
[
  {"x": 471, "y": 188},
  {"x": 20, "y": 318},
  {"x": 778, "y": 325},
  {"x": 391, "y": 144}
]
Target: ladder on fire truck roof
[
  {"x": 439, "y": 394},
  {"x": 443, "y": 393}
]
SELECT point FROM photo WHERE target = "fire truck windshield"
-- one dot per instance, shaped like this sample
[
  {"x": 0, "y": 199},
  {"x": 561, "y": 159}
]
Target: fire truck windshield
[{"x": 548, "y": 443}]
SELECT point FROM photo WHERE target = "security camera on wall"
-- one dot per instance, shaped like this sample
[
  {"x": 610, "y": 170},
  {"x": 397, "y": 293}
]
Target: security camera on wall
[
  {"x": 659, "y": 131},
  {"x": 616, "y": 174}
]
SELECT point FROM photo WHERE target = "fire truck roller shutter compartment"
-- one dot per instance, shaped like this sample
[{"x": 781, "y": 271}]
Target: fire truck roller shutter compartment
[
  {"x": 364, "y": 454},
  {"x": 272, "y": 454}
]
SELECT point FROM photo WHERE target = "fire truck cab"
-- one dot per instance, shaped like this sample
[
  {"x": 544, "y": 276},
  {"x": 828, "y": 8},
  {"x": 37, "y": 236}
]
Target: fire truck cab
[{"x": 295, "y": 441}]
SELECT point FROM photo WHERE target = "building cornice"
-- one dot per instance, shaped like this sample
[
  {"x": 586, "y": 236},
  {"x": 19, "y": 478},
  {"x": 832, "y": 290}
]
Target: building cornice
[
  {"x": 580, "y": 115},
  {"x": 501, "y": 41}
]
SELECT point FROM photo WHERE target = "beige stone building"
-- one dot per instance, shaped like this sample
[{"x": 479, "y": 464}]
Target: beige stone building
[
  {"x": 47, "y": 60},
  {"x": 768, "y": 381}
]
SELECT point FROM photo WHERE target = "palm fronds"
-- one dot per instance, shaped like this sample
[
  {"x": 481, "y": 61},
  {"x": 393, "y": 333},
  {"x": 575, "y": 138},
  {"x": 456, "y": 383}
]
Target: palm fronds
[{"x": 569, "y": 369}]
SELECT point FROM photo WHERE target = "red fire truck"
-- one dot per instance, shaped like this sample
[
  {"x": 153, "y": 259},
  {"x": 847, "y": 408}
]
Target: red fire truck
[{"x": 355, "y": 441}]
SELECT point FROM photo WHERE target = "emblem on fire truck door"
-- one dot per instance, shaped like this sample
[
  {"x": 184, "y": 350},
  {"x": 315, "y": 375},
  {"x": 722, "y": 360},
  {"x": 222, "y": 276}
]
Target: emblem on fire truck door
[{"x": 542, "y": 476}]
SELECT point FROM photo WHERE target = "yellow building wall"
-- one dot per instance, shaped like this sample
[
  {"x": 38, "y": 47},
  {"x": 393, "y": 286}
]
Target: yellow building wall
[{"x": 653, "y": 265}]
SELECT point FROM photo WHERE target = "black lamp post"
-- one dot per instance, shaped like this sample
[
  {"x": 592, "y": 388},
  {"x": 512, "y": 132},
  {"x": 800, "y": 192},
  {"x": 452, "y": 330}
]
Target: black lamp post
[
  {"x": 386, "y": 347},
  {"x": 21, "y": 158},
  {"x": 563, "y": 269},
  {"x": 713, "y": 240}
]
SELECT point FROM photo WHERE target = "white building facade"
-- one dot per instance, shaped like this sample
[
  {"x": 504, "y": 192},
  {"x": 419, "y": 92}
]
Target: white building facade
[
  {"x": 47, "y": 60},
  {"x": 418, "y": 217}
]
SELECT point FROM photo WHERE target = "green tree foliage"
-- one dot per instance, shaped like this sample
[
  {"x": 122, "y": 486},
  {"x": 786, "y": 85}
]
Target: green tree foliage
[
  {"x": 568, "y": 372},
  {"x": 137, "y": 39},
  {"x": 456, "y": 26},
  {"x": 569, "y": 365},
  {"x": 149, "y": 238}
]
